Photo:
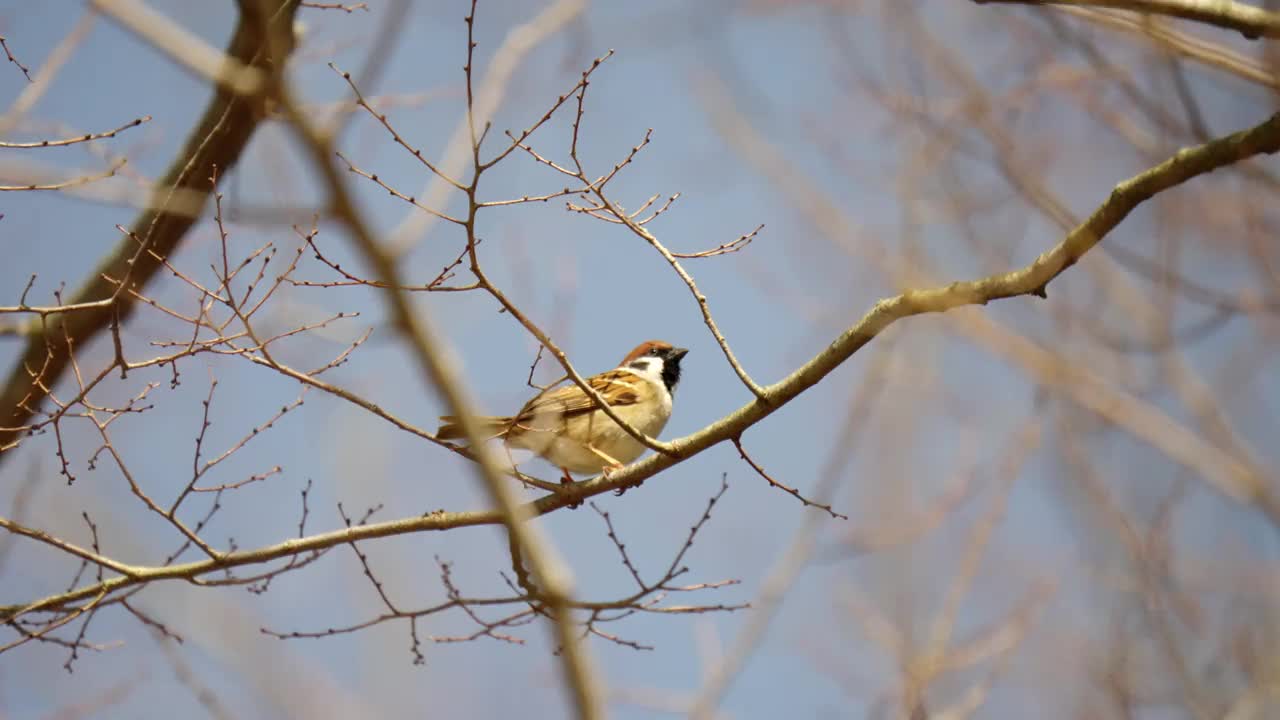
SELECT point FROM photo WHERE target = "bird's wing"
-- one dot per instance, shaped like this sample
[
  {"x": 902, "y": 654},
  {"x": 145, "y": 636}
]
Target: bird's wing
[{"x": 620, "y": 387}]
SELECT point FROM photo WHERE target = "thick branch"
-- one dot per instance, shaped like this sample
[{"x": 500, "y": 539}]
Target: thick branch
[
  {"x": 216, "y": 142},
  {"x": 1030, "y": 280},
  {"x": 1183, "y": 44},
  {"x": 1249, "y": 20},
  {"x": 414, "y": 324}
]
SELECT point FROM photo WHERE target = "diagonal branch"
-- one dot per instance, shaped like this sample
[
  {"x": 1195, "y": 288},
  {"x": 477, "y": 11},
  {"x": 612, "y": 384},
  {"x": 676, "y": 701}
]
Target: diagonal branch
[
  {"x": 183, "y": 46},
  {"x": 1030, "y": 280},
  {"x": 217, "y": 142},
  {"x": 1250, "y": 21},
  {"x": 1183, "y": 44},
  {"x": 548, "y": 569}
]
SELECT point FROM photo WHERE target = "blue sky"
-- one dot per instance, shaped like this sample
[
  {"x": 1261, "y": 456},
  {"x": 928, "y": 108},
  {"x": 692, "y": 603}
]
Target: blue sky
[{"x": 945, "y": 403}]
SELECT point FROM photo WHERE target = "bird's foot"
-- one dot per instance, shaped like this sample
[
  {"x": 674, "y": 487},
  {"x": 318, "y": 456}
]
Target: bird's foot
[{"x": 566, "y": 482}]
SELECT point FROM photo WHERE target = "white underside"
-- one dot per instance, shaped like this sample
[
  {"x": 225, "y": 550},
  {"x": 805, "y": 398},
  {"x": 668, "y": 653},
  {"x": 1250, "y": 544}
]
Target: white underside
[{"x": 566, "y": 445}]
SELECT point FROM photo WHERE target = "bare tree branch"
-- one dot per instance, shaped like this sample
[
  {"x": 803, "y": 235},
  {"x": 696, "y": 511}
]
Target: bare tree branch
[
  {"x": 1184, "y": 44},
  {"x": 215, "y": 142},
  {"x": 1030, "y": 280},
  {"x": 551, "y": 574},
  {"x": 1250, "y": 21},
  {"x": 4, "y": 44},
  {"x": 226, "y": 70}
]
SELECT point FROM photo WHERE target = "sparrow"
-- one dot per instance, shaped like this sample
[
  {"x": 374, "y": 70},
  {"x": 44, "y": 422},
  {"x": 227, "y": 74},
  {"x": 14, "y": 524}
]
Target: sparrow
[{"x": 565, "y": 426}]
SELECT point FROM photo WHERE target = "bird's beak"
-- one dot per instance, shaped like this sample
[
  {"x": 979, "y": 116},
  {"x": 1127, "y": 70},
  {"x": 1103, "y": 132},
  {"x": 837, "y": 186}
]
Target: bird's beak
[{"x": 677, "y": 353}]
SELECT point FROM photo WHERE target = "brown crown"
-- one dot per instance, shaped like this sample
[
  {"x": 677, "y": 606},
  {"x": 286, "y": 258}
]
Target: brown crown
[{"x": 643, "y": 348}]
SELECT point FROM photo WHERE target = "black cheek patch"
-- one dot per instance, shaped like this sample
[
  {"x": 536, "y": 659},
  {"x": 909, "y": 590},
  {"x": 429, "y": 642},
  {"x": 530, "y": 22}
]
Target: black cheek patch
[{"x": 671, "y": 374}]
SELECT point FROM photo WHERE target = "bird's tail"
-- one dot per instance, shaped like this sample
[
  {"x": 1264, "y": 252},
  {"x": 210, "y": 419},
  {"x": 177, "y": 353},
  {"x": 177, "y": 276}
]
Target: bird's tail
[{"x": 490, "y": 426}]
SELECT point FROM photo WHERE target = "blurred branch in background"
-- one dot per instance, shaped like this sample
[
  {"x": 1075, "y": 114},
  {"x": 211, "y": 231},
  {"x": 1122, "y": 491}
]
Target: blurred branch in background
[
  {"x": 214, "y": 145},
  {"x": 965, "y": 114},
  {"x": 989, "y": 530},
  {"x": 1250, "y": 21}
]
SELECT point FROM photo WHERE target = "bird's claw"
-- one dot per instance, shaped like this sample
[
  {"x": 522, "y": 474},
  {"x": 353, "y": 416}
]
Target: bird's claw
[{"x": 566, "y": 481}]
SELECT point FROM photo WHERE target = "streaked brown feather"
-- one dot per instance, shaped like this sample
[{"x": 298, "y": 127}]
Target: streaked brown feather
[
  {"x": 569, "y": 400},
  {"x": 552, "y": 422},
  {"x": 565, "y": 402}
]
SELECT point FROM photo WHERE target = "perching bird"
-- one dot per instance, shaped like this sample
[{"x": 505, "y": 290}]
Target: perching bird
[{"x": 565, "y": 427}]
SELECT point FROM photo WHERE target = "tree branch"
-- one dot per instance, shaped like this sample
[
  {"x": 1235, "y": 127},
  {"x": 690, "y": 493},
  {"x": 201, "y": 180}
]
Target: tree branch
[
  {"x": 1249, "y": 20},
  {"x": 216, "y": 142},
  {"x": 1183, "y": 44},
  {"x": 1030, "y": 280},
  {"x": 414, "y": 324}
]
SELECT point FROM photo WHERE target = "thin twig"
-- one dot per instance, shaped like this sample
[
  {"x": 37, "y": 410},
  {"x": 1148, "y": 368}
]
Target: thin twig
[
  {"x": 737, "y": 442},
  {"x": 4, "y": 43}
]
